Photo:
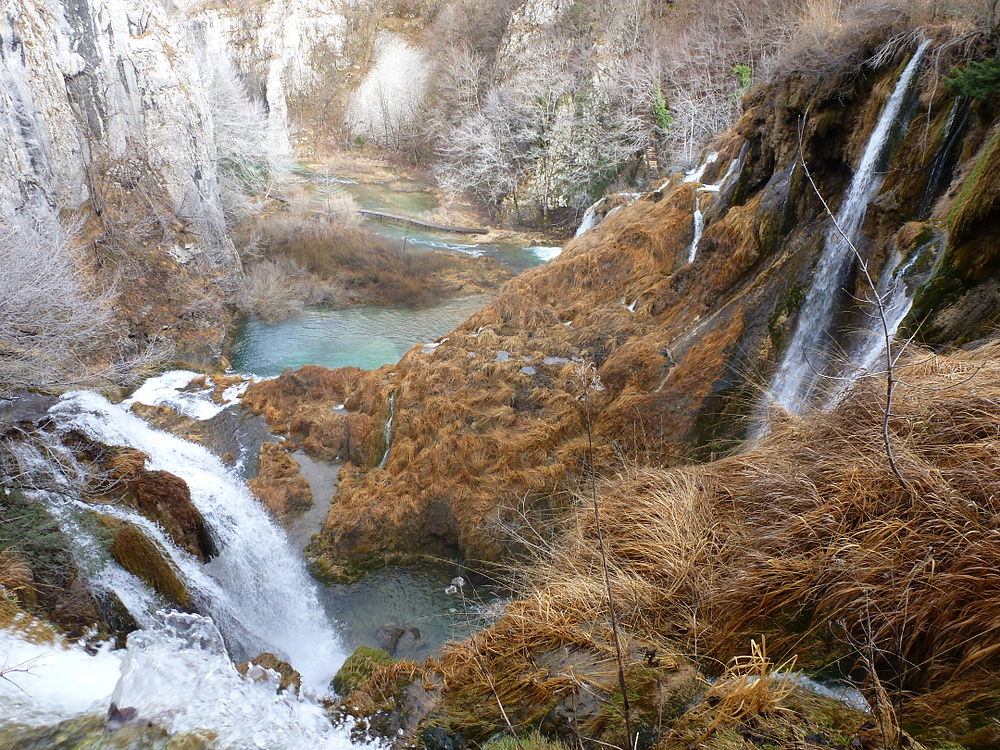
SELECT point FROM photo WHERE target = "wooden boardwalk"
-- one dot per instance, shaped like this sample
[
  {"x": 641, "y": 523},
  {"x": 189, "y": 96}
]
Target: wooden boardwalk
[{"x": 419, "y": 223}]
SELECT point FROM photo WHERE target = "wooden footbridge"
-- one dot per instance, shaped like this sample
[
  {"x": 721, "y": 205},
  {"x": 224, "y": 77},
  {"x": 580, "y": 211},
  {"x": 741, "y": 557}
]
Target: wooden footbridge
[{"x": 419, "y": 223}]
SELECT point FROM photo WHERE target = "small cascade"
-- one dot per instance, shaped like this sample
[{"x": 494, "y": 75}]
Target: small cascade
[
  {"x": 171, "y": 389},
  {"x": 897, "y": 286},
  {"x": 699, "y": 227},
  {"x": 388, "y": 430},
  {"x": 695, "y": 175},
  {"x": 735, "y": 166},
  {"x": 589, "y": 220},
  {"x": 805, "y": 357},
  {"x": 255, "y": 567}
]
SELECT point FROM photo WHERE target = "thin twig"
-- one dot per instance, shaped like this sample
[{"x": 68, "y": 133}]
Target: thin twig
[{"x": 890, "y": 377}]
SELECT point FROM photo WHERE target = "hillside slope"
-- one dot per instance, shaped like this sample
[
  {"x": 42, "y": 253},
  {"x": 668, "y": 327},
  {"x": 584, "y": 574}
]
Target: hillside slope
[{"x": 489, "y": 425}]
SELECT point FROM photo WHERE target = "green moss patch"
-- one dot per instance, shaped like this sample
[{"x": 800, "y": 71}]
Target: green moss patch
[{"x": 358, "y": 669}]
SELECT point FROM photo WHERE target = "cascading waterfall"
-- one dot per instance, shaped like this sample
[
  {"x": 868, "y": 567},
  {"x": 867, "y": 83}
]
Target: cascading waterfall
[
  {"x": 388, "y": 430},
  {"x": 805, "y": 357},
  {"x": 256, "y": 566},
  {"x": 896, "y": 287},
  {"x": 177, "y": 670}
]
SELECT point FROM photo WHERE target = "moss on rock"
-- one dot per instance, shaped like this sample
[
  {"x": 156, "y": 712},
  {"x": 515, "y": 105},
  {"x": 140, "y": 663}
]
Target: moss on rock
[
  {"x": 358, "y": 668},
  {"x": 143, "y": 557}
]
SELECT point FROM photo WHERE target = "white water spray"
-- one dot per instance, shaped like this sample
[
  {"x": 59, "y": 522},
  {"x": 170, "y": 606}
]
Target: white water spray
[
  {"x": 256, "y": 588},
  {"x": 805, "y": 357}
]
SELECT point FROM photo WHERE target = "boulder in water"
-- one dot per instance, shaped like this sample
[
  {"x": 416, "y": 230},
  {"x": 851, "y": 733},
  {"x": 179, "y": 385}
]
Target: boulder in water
[{"x": 289, "y": 677}]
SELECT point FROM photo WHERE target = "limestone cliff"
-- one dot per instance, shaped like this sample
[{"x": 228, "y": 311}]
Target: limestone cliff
[
  {"x": 105, "y": 118},
  {"x": 299, "y": 57}
]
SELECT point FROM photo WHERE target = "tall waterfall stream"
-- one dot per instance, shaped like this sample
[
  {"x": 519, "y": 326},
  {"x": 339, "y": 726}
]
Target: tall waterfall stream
[{"x": 806, "y": 357}]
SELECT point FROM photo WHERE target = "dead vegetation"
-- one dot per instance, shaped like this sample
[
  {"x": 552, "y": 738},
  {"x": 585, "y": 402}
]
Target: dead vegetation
[
  {"x": 806, "y": 540},
  {"x": 303, "y": 257}
]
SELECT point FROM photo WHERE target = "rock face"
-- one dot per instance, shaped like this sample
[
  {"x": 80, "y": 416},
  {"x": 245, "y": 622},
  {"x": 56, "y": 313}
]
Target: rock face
[
  {"x": 293, "y": 55},
  {"x": 658, "y": 352},
  {"x": 105, "y": 117}
]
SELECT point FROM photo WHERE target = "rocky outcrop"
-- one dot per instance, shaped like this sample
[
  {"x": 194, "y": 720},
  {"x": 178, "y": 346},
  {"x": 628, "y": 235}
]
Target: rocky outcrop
[
  {"x": 105, "y": 118},
  {"x": 160, "y": 496},
  {"x": 279, "y": 485},
  {"x": 655, "y": 344}
]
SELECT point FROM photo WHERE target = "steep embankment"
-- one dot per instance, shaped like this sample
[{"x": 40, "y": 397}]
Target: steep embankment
[
  {"x": 489, "y": 425},
  {"x": 107, "y": 127}
]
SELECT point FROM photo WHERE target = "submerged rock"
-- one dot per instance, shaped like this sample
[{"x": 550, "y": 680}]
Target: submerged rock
[{"x": 395, "y": 638}]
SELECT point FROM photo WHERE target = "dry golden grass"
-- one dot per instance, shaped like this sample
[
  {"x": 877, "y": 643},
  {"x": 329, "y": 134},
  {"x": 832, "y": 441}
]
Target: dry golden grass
[{"x": 808, "y": 540}]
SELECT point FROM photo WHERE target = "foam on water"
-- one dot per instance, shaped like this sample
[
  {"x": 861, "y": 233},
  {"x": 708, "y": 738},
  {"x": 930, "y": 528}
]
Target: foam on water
[
  {"x": 49, "y": 682},
  {"x": 167, "y": 390},
  {"x": 545, "y": 254},
  {"x": 177, "y": 676}
]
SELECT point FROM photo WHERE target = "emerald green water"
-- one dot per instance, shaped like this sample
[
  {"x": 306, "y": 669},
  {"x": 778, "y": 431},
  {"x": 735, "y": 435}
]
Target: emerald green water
[{"x": 365, "y": 337}]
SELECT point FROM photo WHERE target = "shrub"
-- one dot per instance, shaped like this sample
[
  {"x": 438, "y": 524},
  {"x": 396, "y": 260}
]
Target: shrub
[
  {"x": 977, "y": 80},
  {"x": 50, "y": 320}
]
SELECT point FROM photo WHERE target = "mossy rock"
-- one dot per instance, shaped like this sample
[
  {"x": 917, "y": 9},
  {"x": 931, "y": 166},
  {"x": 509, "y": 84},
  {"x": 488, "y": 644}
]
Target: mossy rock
[
  {"x": 533, "y": 740},
  {"x": 92, "y": 732},
  {"x": 359, "y": 668},
  {"x": 144, "y": 558}
]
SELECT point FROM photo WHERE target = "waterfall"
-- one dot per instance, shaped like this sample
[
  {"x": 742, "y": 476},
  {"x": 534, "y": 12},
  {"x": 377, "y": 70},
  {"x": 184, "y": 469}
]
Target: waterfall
[
  {"x": 589, "y": 220},
  {"x": 177, "y": 676},
  {"x": 256, "y": 567},
  {"x": 177, "y": 670},
  {"x": 805, "y": 357},
  {"x": 388, "y": 430},
  {"x": 699, "y": 227}
]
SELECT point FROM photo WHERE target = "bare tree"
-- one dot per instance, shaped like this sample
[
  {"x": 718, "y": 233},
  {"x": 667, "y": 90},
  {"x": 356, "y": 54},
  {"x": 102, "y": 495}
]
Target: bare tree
[{"x": 56, "y": 329}]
